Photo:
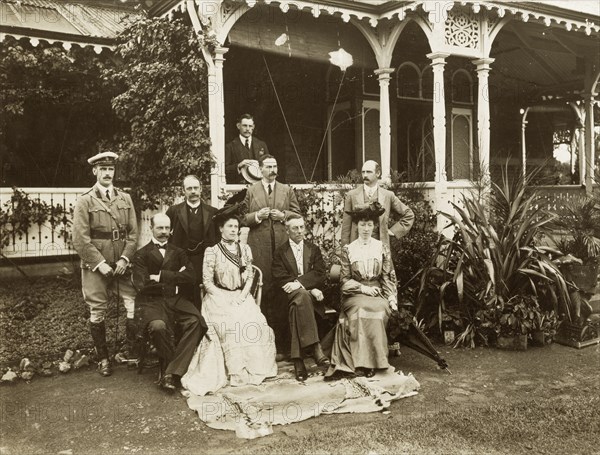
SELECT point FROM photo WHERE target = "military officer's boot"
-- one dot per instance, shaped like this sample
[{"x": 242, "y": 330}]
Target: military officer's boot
[{"x": 98, "y": 330}]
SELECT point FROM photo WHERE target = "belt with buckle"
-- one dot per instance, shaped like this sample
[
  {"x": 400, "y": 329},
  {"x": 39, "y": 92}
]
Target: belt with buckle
[{"x": 113, "y": 235}]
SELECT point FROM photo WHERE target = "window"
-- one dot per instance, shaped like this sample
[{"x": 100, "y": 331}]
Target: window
[
  {"x": 462, "y": 87},
  {"x": 408, "y": 81},
  {"x": 462, "y": 144}
]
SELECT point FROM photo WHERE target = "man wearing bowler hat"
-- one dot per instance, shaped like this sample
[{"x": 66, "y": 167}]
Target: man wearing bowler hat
[{"x": 105, "y": 237}]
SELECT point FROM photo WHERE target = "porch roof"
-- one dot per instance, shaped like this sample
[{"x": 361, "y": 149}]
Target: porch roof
[
  {"x": 581, "y": 14},
  {"x": 85, "y": 23}
]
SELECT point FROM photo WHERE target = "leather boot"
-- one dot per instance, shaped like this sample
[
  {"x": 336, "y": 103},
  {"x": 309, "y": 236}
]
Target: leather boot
[{"x": 98, "y": 331}]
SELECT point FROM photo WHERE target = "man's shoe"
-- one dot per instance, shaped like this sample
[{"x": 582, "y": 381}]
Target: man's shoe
[
  {"x": 320, "y": 357},
  {"x": 300, "y": 370},
  {"x": 167, "y": 382},
  {"x": 104, "y": 368}
]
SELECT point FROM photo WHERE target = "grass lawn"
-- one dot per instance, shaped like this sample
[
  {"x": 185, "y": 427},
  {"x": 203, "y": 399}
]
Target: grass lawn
[
  {"x": 533, "y": 426},
  {"x": 540, "y": 401}
]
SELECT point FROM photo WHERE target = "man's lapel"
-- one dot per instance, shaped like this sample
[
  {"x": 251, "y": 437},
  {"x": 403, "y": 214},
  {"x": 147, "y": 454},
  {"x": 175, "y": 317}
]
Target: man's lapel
[
  {"x": 261, "y": 193},
  {"x": 206, "y": 218},
  {"x": 244, "y": 152},
  {"x": 169, "y": 254},
  {"x": 155, "y": 254},
  {"x": 306, "y": 258},
  {"x": 360, "y": 196},
  {"x": 381, "y": 197},
  {"x": 289, "y": 256},
  {"x": 183, "y": 216}
]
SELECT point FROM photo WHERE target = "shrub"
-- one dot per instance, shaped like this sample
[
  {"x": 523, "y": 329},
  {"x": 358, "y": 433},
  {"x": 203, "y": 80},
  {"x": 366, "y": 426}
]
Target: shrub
[{"x": 492, "y": 258}]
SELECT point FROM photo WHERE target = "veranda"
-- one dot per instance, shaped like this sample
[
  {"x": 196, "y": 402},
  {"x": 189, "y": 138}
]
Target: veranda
[{"x": 441, "y": 93}]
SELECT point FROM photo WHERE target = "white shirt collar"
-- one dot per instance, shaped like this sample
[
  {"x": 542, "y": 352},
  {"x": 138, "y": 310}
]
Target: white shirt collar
[
  {"x": 194, "y": 206},
  {"x": 371, "y": 190},
  {"x": 266, "y": 185},
  {"x": 243, "y": 139},
  {"x": 298, "y": 246},
  {"x": 156, "y": 242},
  {"x": 103, "y": 189}
]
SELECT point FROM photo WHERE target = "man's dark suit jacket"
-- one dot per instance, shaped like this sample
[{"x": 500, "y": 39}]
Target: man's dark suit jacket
[
  {"x": 179, "y": 225},
  {"x": 236, "y": 152},
  {"x": 178, "y": 214},
  {"x": 155, "y": 301},
  {"x": 285, "y": 270}
]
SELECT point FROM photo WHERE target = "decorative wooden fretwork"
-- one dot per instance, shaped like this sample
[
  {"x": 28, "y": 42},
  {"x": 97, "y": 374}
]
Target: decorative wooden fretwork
[{"x": 462, "y": 29}]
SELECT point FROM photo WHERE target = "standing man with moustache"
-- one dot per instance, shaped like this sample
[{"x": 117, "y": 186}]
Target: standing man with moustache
[
  {"x": 370, "y": 192},
  {"x": 105, "y": 238},
  {"x": 269, "y": 203},
  {"x": 243, "y": 149},
  {"x": 193, "y": 230}
]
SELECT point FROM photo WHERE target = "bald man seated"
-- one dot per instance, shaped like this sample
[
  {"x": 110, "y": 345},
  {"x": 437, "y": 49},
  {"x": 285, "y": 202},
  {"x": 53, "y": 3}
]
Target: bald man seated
[{"x": 160, "y": 269}]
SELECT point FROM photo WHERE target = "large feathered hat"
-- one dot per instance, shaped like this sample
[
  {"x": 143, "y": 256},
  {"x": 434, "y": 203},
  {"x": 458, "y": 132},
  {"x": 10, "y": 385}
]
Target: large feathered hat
[{"x": 370, "y": 211}]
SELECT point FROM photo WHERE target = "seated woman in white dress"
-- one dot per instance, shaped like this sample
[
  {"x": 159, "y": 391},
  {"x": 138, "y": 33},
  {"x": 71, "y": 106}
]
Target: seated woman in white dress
[
  {"x": 239, "y": 346},
  {"x": 368, "y": 287}
]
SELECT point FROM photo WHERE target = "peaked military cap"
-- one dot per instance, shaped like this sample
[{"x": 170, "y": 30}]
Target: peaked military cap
[{"x": 104, "y": 158}]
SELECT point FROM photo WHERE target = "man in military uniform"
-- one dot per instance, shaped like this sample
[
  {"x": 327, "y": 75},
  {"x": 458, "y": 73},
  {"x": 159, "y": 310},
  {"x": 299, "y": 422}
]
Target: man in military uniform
[{"x": 105, "y": 237}]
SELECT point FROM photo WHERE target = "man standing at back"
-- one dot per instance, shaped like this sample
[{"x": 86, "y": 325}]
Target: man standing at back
[
  {"x": 370, "y": 192},
  {"x": 269, "y": 203},
  {"x": 193, "y": 230},
  {"x": 105, "y": 237},
  {"x": 244, "y": 148}
]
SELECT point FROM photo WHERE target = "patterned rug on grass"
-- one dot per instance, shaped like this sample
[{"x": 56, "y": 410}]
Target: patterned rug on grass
[{"x": 252, "y": 410}]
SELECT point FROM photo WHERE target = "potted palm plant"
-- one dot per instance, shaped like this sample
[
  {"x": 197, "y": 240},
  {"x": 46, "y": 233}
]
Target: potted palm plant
[{"x": 579, "y": 222}]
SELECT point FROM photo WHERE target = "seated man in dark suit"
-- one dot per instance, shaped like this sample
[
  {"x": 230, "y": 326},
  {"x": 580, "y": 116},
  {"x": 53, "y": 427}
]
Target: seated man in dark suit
[
  {"x": 159, "y": 271},
  {"x": 298, "y": 272}
]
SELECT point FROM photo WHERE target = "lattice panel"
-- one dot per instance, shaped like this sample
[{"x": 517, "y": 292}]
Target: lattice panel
[{"x": 462, "y": 30}]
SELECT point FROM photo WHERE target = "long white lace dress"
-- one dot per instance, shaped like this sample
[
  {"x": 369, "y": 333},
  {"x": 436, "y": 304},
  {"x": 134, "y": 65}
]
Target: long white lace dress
[{"x": 239, "y": 346}]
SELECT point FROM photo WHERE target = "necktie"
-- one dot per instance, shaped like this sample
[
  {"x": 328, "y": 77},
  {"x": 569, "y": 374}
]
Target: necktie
[
  {"x": 270, "y": 189},
  {"x": 248, "y": 143},
  {"x": 108, "y": 195},
  {"x": 298, "y": 256}
]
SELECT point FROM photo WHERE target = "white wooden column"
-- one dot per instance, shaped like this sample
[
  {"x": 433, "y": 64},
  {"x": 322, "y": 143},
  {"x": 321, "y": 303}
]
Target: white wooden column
[
  {"x": 589, "y": 143},
  {"x": 483, "y": 117},
  {"x": 385, "y": 124},
  {"x": 438, "y": 61},
  {"x": 216, "y": 117}
]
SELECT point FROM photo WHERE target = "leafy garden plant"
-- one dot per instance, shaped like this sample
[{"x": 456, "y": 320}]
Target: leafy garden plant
[
  {"x": 492, "y": 259},
  {"x": 580, "y": 221},
  {"x": 161, "y": 97}
]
